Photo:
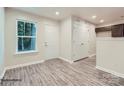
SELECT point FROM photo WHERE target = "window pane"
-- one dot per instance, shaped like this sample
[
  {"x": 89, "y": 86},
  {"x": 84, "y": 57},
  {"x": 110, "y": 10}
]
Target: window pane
[
  {"x": 20, "y": 28},
  {"x": 20, "y": 42},
  {"x": 29, "y": 44},
  {"x": 33, "y": 43},
  {"x": 33, "y": 29},
  {"x": 27, "y": 29}
]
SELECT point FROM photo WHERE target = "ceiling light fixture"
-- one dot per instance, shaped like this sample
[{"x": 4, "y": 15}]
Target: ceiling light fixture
[
  {"x": 94, "y": 17},
  {"x": 57, "y": 13},
  {"x": 101, "y": 21}
]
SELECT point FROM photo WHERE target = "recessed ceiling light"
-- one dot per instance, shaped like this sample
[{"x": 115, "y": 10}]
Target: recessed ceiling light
[
  {"x": 101, "y": 21},
  {"x": 94, "y": 17},
  {"x": 57, "y": 13}
]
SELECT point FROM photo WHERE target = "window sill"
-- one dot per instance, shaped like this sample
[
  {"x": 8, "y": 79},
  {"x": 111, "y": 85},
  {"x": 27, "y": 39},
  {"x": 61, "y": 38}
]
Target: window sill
[{"x": 26, "y": 52}]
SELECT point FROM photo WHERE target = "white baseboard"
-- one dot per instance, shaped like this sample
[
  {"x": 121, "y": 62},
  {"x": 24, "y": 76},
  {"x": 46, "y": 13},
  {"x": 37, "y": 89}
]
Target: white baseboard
[
  {"x": 2, "y": 75},
  {"x": 110, "y": 71},
  {"x": 20, "y": 65},
  {"x": 25, "y": 64},
  {"x": 92, "y": 55},
  {"x": 66, "y": 60}
]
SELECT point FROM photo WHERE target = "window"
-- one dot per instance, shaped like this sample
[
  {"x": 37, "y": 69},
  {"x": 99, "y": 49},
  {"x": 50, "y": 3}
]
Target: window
[{"x": 26, "y": 36}]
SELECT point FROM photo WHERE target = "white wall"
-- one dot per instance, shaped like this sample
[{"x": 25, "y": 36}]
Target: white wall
[
  {"x": 92, "y": 39},
  {"x": 110, "y": 55},
  {"x": 104, "y": 34},
  {"x": 13, "y": 59},
  {"x": 1, "y": 41},
  {"x": 65, "y": 38},
  {"x": 112, "y": 23},
  {"x": 66, "y": 27}
]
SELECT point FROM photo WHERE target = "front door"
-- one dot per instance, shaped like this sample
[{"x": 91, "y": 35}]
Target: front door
[
  {"x": 80, "y": 41},
  {"x": 51, "y": 41}
]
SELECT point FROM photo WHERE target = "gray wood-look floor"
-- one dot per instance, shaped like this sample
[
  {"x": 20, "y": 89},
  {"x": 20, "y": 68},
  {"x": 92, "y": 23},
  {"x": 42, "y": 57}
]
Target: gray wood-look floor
[{"x": 57, "y": 72}]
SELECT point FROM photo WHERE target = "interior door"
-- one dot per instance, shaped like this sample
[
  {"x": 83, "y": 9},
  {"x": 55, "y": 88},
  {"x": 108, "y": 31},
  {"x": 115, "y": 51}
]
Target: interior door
[
  {"x": 51, "y": 41},
  {"x": 80, "y": 41}
]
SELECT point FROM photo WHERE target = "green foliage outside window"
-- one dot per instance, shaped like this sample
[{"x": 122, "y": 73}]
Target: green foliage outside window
[
  {"x": 26, "y": 29},
  {"x": 20, "y": 28}
]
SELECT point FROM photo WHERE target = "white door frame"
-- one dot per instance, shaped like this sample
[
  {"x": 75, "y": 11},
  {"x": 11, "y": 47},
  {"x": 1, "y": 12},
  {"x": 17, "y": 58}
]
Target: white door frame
[{"x": 46, "y": 43}]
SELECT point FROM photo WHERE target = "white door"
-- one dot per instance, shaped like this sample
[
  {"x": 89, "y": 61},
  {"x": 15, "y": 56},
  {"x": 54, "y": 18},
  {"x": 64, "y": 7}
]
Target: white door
[
  {"x": 51, "y": 41},
  {"x": 80, "y": 41}
]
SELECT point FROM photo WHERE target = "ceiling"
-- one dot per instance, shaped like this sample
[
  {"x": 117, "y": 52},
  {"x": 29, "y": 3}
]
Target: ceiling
[{"x": 109, "y": 14}]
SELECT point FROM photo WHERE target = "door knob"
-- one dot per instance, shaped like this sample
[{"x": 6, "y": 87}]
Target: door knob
[
  {"x": 82, "y": 43},
  {"x": 46, "y": 43}
]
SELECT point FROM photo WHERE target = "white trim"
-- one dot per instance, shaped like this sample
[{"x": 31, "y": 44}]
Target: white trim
[
  {"x": 3, "y": 44},
  {"x": 92, "y": 55},
  {"x": 66, "y": 60},
  {"x": 111, "y": 23},
  {"x": 110, "y": 71},
  {"x": 36, "y": 36},
  {"x": 25, "y": 64},
  {"x": 109, "y": 39},
  {"x": 26, "y": 52},
  {"x": 2, "y": 75}
]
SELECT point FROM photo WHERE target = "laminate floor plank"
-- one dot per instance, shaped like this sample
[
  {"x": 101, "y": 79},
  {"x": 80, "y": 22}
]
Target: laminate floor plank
[{"x": 56, "y": 72}]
